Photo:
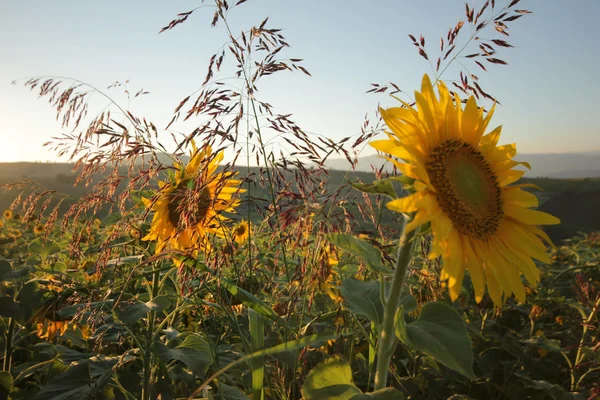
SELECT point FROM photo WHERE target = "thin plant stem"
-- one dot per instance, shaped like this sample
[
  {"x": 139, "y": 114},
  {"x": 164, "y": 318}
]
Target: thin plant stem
[
  {"x": 387, "y": 339},
  {"x": 8, "y": 345},
  {"x": 149, "y": 339}
]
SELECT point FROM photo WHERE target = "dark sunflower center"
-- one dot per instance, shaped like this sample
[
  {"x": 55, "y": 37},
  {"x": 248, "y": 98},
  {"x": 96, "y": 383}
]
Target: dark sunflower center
[
  {"x": 467, "y": 188},
  {"x": 188, "y": 207},
  {"x": 240, "y": 230}
]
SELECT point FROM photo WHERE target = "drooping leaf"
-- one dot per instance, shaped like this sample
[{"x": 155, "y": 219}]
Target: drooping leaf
[
  {"x": 195, "y": 352},
  {"x": 363, "y": 298},
  {"x": 6, "y": 384},
  {"x": 408, "y": 303},
  {"x": 44, "y": 249},
  {"x": 75, "y": 383},
  {"x": 9, "y": 308},
  {"x": 5, "y": 269},
  {"x": 158, "y": 303},
  {"x": 8, "y": 273},
  {"x": 131, "y": 313},
  {"x": 383, "y": 186},
  {"x": 360, "y": 248},
  {"x": 330, "y": 380},
  {"x": 440, "y": 333}
]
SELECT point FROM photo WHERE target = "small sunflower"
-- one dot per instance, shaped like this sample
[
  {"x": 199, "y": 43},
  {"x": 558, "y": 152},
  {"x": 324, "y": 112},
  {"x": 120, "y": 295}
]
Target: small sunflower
[
  {"x": 327, "y": 277},
  {"x": 188, "y": 208},
  {"x": 97, "y": 223},
  {"x": 7, "y": 214},
  {"x": 39, "y": 229},
  {"x": 462, "y": 188},
  {"x": 241, "y": 232}
]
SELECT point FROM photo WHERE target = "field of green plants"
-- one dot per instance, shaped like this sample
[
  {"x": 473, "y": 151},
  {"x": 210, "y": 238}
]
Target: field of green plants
[{"x": 185, "y": 274}]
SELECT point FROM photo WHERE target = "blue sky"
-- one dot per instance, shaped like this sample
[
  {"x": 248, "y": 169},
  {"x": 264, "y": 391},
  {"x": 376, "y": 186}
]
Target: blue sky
[{"x": 548, "y": 92}]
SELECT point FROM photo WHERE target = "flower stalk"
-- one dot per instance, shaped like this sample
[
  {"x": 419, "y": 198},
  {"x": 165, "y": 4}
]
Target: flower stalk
[
  {"x": 387, "y": 338},
  {"x": 149, "y": 339}
]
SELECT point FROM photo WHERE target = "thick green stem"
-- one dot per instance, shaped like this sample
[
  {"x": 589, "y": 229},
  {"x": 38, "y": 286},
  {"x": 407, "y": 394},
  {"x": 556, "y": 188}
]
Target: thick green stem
[
  {"x": 8, "y": 345},
  {"x": 387, "y": 339},
  {"x": 149, "y": 339}
]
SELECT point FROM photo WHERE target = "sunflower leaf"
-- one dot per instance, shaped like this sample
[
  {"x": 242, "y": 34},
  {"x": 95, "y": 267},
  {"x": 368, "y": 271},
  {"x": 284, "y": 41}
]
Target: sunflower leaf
[
  {"x": 440, "y": 333},
  {"x": 360, "y": 248},
  {"x": 331, "y": 379},
  {"x": 383, "y": 186},
  {"x": 363, "y": 298}
]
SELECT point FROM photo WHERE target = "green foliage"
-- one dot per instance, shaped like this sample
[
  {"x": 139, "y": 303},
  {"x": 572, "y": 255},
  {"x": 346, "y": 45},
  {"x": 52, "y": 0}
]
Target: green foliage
[
  {"x": 440, "y": 333},
  {"x": 331, "y": 380},
  {"x": 363, "y": 298},
  {"x": 360, "y": 248}
]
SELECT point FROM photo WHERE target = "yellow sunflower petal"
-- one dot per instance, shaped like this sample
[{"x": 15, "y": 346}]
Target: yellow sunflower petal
[
  {"x": 389, "y": 147},
  {"x": 475, "y": 267},
  {"x": 406, "y": 204},
  {"x": 531, "y": 217},
  {"x": 454, "y": 264},
  {"x": 520, "y": 198},
  {"x": 470, "y": 122}
]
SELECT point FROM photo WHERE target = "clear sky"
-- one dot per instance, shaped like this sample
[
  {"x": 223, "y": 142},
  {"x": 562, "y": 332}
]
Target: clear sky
[{"x": 549, "y": 92}]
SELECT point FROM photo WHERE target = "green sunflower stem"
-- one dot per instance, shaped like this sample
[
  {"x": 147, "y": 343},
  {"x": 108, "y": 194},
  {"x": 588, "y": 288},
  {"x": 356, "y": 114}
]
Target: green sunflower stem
[
  {"x": 387, "y": 338},
  {"x": 147, "y": 366}
]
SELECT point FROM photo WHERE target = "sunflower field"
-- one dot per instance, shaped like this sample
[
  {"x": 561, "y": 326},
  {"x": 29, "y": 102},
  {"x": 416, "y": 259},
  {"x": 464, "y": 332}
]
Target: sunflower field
[{"x": 222, "y": 270}]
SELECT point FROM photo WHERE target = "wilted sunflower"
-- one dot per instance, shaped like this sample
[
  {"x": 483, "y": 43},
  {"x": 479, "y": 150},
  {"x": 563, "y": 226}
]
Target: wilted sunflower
[
  {"x": 461, "y": 187},
  {"x": 7, "y": 214},
  {"x": 241, "y": 232},
  {"x": 189, "y": 207}
]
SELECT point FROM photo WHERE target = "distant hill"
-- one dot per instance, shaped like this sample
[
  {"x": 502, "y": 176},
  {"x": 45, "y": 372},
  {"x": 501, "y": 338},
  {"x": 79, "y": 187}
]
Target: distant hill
[
  {"x": 559, "y": 165},
  {"x": 574, "y": 200}
]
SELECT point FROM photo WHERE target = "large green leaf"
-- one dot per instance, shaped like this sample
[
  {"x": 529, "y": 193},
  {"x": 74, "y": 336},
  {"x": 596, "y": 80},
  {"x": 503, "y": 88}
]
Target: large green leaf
[
  {"x": 382, "y": 186},
  {"x": 9, "y": 308},
  {"x": 5, "y": 269},
  {"x": 8, "y": 273},
  {"x": 6, "y": 384},
  {"x": 251, "y": 301},
  {"x": 44, "y": 249},
  {"x": 195, "y": 352},
  {"x": 330, "y": 380},
  {"x": 75, "y": 383},
  {"x": 363, "y": 298},
  {"x": 440, "y": 333},
  {"x": 131, "y": 313},
  {"x": 360, "y": 248}
]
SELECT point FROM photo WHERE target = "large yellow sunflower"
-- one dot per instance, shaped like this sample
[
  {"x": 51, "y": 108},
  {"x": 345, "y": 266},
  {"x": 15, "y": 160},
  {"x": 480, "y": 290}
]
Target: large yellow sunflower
[
  {"x": 461, "y": 188},
  {"x": 188, "y": 208}
]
